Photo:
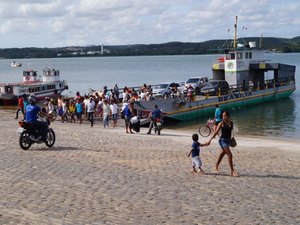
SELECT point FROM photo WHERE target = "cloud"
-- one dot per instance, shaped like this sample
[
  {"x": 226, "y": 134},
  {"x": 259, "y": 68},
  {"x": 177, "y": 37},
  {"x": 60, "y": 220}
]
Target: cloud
[{"x": 56, "y": 23}]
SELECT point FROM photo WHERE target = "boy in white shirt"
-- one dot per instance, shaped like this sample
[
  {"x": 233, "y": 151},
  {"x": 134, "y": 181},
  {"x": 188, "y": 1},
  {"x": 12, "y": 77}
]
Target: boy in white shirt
[{"x": 114, "y": 112}]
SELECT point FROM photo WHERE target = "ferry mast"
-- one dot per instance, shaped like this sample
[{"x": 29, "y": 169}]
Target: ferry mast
[{"x": 235, "y": 32}]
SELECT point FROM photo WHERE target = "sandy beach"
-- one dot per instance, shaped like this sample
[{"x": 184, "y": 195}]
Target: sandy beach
[{"x": 105, "y": 176}]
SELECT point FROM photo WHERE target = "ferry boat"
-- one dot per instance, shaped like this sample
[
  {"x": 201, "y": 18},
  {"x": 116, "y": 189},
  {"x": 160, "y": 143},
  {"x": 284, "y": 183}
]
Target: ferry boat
[
  {"x": 49, "y": 86},
  {"x": 252, "y": 80}
]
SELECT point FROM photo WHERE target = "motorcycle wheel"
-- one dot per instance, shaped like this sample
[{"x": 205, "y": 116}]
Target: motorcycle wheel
[
  {"x": 50, "y": 138},
  {"x": 158, "y": 130},
  {"x": 54, "y": 115},
  {"x": 25, "y": 141}
]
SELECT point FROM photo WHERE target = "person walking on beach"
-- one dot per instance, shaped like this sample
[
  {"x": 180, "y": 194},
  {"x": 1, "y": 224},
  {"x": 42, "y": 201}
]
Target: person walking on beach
[
  {"x": 91, "y": 110},
  {"x": 99, "y": 108},
  {"x": 72, "y": 110},
  {"x": 20, "y": 107},
  {"x": 195, "y": 152},
  {"x": 25, "y": 103},
  {"x": 114, "y": 112},
  {"x": 106, "y": 111},
  {"x": 128, "y": 111},
  {"x": 64, "y": 107},
  {"x": 59, "y": 107},
  {"x": 226, "y": 126},
  {"x": 85, "y": 106},
  {"x": 79, "y": 110}
]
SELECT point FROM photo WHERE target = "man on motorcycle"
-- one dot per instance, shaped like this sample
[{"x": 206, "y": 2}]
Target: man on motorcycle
[
  {"x": 155, "y": 116},
  {"x": 32, "y": 111}
]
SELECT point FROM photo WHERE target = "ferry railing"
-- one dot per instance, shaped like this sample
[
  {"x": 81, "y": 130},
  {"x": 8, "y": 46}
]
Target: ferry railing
[{"x": 267, "y": 84}]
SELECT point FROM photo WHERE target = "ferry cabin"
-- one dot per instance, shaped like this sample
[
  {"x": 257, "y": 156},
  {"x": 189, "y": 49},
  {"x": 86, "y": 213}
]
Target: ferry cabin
[{"x": 245, "y": 68}]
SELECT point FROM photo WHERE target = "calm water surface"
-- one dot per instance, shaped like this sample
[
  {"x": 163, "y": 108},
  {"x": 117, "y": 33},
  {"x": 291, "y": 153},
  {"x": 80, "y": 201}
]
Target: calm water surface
[{"x": 277, "y": 119}]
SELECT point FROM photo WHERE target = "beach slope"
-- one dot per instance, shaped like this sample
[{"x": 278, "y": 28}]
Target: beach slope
[{"x": 105, "y": 176}]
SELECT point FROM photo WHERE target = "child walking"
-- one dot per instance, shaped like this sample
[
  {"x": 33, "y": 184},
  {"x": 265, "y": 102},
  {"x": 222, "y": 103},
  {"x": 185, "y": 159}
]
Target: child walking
[
  {"x": 114, "y": 112},
  {"x": 72, "y": 111},
  {"x": 195, "y": 152},
  {"x": 106, "y": 111}
]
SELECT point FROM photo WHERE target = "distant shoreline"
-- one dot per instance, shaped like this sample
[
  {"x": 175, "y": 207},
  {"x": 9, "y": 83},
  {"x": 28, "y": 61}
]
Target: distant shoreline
[{"x": 271, "y": 44}]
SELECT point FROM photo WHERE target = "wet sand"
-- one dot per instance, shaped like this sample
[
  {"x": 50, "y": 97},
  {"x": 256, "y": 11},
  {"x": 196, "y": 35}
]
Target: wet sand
[{"x": 105, "y": 176}]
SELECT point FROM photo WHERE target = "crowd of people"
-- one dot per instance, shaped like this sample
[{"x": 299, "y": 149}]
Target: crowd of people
[{"x": 104, "y": 105}]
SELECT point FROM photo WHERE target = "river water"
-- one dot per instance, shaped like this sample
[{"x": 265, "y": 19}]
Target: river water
[{"x": 274, "y": 119}]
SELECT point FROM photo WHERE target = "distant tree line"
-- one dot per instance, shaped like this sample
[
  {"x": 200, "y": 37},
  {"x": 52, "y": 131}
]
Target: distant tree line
[{"x": 284, "y": 45}]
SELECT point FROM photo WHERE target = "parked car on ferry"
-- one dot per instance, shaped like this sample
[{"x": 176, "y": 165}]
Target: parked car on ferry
[
  {"x": 164, "y": 89},
  {"x": 213, "y": 87},
  {"x": 197, "y": 83}
]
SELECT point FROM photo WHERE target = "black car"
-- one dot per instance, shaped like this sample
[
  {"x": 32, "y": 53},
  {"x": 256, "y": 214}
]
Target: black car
[{"x": 214, "y": 86}]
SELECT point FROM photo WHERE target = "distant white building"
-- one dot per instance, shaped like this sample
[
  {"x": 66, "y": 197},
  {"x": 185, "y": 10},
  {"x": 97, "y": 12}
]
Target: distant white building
[{"x": 102, "y": 49}]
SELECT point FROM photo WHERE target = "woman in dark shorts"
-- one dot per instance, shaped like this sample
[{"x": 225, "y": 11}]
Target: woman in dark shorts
[{"x": 226, "y": 126}]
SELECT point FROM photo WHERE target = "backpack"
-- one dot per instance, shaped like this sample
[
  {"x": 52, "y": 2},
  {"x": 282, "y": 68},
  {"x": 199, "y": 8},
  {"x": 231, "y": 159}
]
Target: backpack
[{"x": 123, "y": 114}]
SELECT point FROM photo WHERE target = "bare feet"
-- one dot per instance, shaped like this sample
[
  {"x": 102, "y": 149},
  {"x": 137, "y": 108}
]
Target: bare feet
[
  {"x": 217, "y": 170},
  {"x": 234, "y": 174},
  {"x": 201, "y": 172}
]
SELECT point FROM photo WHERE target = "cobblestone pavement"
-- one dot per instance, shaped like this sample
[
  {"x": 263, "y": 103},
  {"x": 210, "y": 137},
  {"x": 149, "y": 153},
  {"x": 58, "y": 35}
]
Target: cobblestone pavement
[{"x": 105, "y": 176}]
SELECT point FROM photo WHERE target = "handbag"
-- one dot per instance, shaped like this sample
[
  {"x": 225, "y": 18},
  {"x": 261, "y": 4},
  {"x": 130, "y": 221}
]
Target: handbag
[{"x": 232, "y": 141}]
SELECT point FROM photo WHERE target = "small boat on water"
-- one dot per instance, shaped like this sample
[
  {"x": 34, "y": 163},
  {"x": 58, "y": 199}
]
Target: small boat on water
[
  {"x": 49, "y": 86},
  {"x": 14, "y": 64},
  {"x": 252, "y": 80}
]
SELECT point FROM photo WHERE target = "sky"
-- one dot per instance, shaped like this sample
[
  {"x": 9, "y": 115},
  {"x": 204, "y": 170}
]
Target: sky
[{"x": 60, "y": 23}]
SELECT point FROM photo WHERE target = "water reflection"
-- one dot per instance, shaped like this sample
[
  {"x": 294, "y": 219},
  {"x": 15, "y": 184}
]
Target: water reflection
[{"x": 277, "y": 119}]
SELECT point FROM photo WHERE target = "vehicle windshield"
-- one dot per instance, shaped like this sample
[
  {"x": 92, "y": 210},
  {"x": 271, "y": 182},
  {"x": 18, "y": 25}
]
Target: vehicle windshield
[
  {"x": 160, "y": 86},
  {"x": 193, "y": 80},
  {"x": 212, "y": 83}
]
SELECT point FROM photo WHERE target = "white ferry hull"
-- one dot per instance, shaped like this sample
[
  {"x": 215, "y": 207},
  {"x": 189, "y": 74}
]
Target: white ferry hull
[{"x": 50, "y": 86}]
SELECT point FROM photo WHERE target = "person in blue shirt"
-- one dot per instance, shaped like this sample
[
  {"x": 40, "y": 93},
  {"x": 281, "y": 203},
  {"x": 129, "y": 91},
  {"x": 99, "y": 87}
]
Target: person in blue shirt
[
  {"x": 155, "y": 116},
  {"x": 195, "y": 152},
  {"x": 79, "y": 110},
  {"x": 32, "y": 111},
  {"x": 128, "y": 112},
  {"x": 218, "y": 117}
]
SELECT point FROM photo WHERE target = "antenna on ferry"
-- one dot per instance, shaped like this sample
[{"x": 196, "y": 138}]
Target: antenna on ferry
[
  {"x": 235, "y": 32},
  {"x": 49, "y": 63},
  {"x": 260, "y": 41}
]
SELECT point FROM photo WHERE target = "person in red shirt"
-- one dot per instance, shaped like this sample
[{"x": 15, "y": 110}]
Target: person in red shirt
[{"x": 20, "y": 107}]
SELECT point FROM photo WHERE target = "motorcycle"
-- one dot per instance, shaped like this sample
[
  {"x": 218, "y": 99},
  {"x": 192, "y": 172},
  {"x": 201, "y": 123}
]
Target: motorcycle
[
  {"x": 28, "y": 135},
  {"x": 159, "y": 126},
  {"x": 51, "y": 115}
]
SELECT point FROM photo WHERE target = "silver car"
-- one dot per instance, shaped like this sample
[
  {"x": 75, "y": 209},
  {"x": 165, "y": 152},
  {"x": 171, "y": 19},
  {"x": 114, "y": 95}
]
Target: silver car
[
  {"x": 197, "y": 83},
  {"x": 163, "y": 90}
]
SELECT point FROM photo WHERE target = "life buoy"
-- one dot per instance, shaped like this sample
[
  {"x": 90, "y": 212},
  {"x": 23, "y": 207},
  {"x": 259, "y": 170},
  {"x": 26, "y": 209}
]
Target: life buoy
[
  {"x": 221, "y": 59},
  {"x": 27, "y": 77}
]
